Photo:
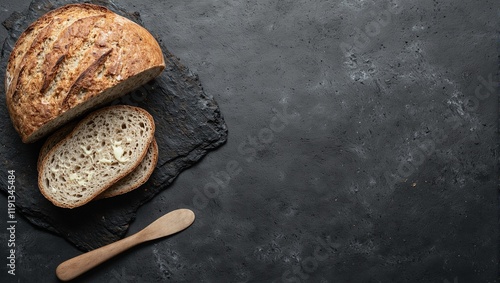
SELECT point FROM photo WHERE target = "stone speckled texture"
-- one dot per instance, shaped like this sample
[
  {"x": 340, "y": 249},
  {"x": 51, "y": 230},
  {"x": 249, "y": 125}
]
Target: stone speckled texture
[{"x": 366, "y": 161}]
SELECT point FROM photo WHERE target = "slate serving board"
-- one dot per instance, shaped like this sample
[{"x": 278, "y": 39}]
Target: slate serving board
[{"x": 188, "y": 125}]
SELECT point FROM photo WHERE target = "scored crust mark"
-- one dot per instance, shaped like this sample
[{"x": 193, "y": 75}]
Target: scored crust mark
[
  {"x": 15, "y": 95},
  {"x": 37, "y": 38},
  {"x": 73, "y": 41},
  {"x": 38, "y": 54},
  {"x": 51, "y": 73},
  {"x": 26, "y": 40},
  {"x": 79, "y": 43},
  {"x": 84, "y": 82},
  {"x": 27, "y": 37},
  {"x": 31, "y": 64}
]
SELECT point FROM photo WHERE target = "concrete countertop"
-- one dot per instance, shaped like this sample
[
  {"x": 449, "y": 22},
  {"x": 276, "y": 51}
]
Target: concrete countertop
[{"x": 362, "y": 147}]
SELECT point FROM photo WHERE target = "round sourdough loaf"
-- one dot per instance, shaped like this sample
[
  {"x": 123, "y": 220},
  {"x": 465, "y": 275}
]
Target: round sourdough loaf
[{"x": 72, "y": 59}]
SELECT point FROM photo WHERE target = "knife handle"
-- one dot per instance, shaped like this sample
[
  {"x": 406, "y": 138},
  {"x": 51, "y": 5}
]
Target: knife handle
[{"x": 76, "y": 266}]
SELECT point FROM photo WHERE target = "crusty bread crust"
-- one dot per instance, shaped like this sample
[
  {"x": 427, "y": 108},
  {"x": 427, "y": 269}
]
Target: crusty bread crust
[
  {"x": 68, "y": 194},
  {"x": 73, "y": 56}
]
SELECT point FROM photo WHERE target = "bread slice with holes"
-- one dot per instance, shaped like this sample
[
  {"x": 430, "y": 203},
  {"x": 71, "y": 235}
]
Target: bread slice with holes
[
  {"x": 103, "y": 148},
  {"x": 72, "y": 59},
  {"x": 52, "y": 140},
  {"x": 128, "y": 183},
  {"x": 137, "y": 177}
]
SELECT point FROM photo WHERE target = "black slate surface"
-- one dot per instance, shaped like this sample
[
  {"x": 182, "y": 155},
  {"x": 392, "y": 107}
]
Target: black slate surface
[
  {"x": 188, "y": 125},
  {"x": 358, "y": 162}
]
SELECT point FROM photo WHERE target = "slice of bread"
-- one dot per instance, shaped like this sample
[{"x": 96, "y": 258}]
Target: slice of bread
[
  {"x": 104, "y": 147},
  {"x": 52, "y": 140},
  {"x": 137, "y": 177},
  {"x": 73, "y": 59},
  {"x": 128, "y": 183}
]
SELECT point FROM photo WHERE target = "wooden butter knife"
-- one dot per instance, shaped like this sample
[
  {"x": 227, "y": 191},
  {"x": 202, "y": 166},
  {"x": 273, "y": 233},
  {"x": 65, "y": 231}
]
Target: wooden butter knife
[{"x": 170, "y": 223}]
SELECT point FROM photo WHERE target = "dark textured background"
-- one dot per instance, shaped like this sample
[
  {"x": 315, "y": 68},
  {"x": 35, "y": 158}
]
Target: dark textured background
[{"x": 350, "y": 158}]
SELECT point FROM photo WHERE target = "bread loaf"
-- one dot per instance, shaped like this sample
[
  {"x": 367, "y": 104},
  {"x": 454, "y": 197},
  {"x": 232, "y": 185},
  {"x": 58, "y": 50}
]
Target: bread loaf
[
  {"x": 72, "y": 59},
  {"x": 104, "y": 147},
  {"x": 126, "y": 184}
]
